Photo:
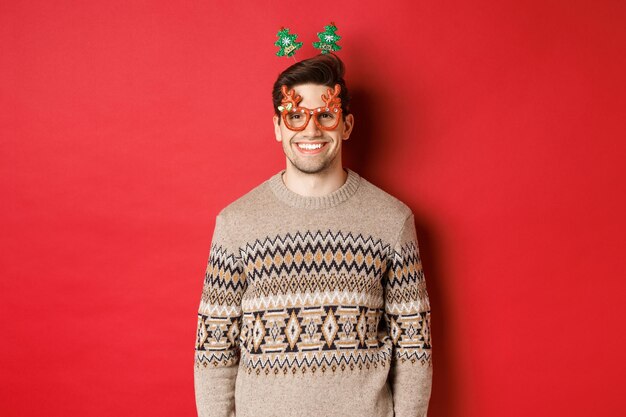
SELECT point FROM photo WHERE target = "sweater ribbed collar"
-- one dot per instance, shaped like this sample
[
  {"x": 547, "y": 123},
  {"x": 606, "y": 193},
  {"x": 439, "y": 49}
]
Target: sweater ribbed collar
[{"x": 294, "y": 199}]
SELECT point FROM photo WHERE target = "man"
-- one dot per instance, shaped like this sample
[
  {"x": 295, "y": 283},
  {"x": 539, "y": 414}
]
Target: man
[{"x": 314, "y": 300}]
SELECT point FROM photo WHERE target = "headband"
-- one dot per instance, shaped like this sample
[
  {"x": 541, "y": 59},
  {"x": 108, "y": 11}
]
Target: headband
[{"x": 287, "y": 44}]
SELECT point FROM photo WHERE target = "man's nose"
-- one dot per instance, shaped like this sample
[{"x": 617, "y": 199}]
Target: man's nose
[{"x": 311, "y": 128}]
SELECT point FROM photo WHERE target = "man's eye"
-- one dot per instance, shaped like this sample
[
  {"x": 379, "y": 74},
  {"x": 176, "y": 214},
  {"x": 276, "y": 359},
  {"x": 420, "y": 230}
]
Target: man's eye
[
  {"x": 326, "y": 116},
  {"x": 294, "y": 116}
]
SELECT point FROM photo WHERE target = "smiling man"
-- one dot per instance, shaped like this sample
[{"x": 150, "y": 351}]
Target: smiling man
[
  {"x": 314, "y": 300},
  {"x": 312, "y": 131}
]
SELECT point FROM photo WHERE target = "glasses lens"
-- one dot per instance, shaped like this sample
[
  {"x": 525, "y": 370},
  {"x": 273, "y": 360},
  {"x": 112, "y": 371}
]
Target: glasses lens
[
  {"x": 296, "y": 119},
  {"x": 327, "y": 119}
]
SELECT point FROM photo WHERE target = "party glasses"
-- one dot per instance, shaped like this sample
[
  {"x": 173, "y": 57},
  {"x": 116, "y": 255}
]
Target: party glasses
[{"x": 297, "y": 118}]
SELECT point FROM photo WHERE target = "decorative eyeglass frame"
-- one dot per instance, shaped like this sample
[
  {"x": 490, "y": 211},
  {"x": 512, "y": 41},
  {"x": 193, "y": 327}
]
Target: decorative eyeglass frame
[{"x": 290, "y": 101}]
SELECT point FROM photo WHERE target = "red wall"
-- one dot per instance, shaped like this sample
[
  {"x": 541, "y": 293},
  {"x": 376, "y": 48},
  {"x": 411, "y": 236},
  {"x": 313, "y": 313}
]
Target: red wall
[{"x": 126, "y": 126}]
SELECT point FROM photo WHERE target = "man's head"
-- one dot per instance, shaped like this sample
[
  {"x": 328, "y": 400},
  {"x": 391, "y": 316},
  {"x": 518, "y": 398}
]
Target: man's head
[
  {"x": 312, "y": 142},
  {"x": 323, "y": 69}
]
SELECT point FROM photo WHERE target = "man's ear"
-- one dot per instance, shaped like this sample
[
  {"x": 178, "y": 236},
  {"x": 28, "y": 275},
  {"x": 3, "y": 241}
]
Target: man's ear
[
  {"x": 277, "y": 132},
  {"x": 348, "y": 124}
]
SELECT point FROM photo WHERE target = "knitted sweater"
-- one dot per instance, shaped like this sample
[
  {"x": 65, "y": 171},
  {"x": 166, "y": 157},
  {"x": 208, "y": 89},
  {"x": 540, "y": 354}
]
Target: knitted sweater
[{"x": 314, "y": 306}]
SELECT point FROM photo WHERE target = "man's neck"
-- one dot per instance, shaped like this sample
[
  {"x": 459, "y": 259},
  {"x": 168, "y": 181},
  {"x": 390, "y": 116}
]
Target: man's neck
[{"x": 315, "y": 185}]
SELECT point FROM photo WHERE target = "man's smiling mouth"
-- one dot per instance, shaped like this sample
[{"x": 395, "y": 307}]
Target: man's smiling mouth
[{"x": 311, "y": 147}]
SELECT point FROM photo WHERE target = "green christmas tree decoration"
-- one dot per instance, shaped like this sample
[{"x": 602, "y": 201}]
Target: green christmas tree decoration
[
  {"x": 287, "y": 45},
  {"x": 328, "y": 39}
]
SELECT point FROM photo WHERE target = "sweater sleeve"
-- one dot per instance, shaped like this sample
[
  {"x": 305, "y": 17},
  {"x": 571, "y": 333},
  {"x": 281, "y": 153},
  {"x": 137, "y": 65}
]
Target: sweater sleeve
[
  {"x": 407, "y": 315},
  {"x": 217, "y": 350}
]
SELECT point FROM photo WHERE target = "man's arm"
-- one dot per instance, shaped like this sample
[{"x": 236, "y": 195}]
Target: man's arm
[
  {"x": 217, "y": 350},
  {"x": 407, "y": 314}
]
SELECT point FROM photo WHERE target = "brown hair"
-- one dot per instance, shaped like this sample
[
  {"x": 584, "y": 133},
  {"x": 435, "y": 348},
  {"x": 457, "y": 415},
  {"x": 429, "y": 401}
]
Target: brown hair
[{"x": 323, "y": 69}]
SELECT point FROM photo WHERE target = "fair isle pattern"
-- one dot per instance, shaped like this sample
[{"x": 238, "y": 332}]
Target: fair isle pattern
[
  {"x": 311, "y": 329},
  {"x": 220, "y": 308},
  {"x": 314, "y": 253},
  {"x": 407, "y": 306},
  {"x": 312, "y": 362},
  {"x": 312, "y": 269},
  {"x": 313, "y": 302},
  {"x": 322, "y": 337},
  {"x": 313, "y": 290},
  {"x": 216, "y": 341},
  {"x": 224, "y": 284},
  {"x": 216, "y": 359}
]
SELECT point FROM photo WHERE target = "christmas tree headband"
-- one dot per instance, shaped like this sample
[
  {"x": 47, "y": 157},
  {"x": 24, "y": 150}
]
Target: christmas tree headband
[{"x": 287, "y": 45}]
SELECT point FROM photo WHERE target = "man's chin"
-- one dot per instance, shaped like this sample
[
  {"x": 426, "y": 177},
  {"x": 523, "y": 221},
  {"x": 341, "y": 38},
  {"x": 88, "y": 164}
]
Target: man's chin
[{"x": 310, "y": 169}]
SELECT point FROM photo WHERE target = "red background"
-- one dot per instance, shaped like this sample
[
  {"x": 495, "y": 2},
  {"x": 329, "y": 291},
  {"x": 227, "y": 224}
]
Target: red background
[{"x": 126, "y": 126}]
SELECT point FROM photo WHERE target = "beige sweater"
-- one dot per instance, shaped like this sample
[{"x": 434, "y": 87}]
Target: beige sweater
[{"x": 314, "y": 306}]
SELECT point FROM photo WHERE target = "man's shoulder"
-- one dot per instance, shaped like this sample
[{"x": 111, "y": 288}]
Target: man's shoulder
[{"x": 375, "y": 198}]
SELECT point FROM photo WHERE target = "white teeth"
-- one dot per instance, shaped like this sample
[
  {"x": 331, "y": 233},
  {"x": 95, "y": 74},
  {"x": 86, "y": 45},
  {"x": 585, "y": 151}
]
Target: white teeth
[{"x": 308, "y": 146}]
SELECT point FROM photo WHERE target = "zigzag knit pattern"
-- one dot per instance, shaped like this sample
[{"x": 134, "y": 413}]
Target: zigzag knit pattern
[{"x": 313, "y": 302}]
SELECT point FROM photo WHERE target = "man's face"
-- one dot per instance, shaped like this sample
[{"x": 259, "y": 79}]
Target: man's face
[{"x": 312, "y": 150}]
